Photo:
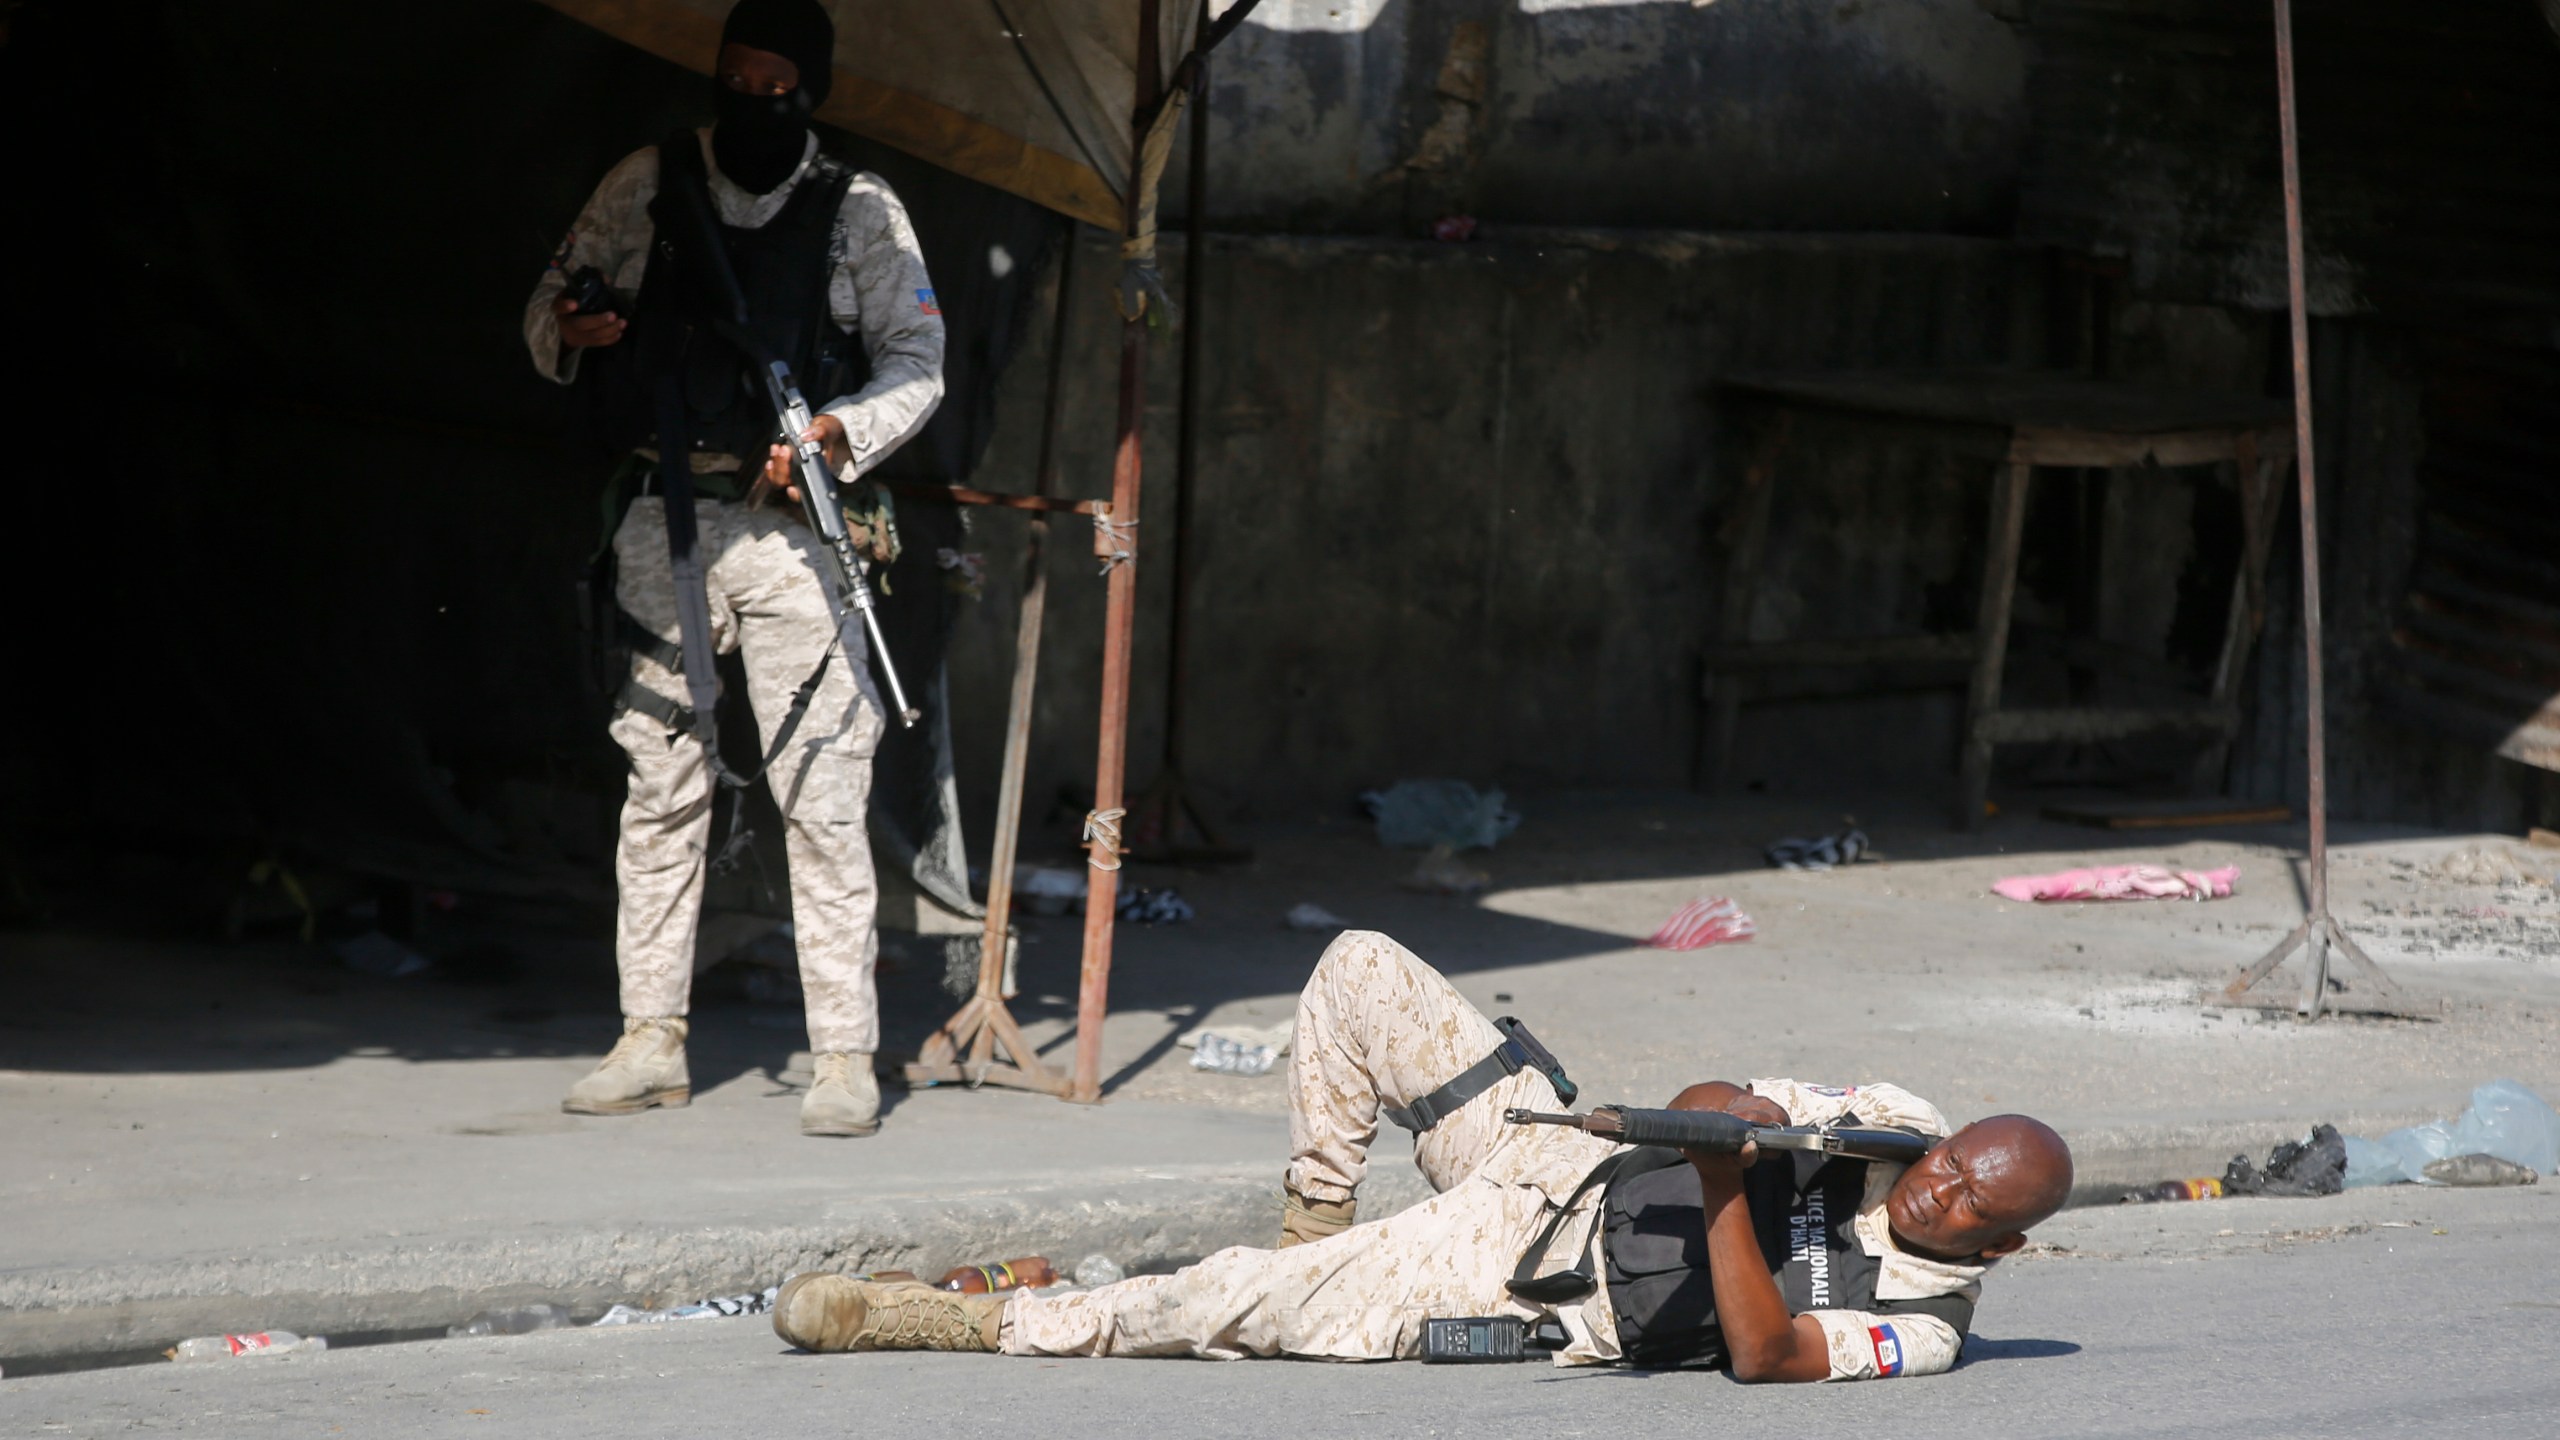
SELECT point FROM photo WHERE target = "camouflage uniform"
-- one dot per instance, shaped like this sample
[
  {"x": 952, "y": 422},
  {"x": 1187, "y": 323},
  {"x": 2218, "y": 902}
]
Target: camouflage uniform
[
  {"x": 763, "y": 570},
  {"x": 1378, "y": 1026}
]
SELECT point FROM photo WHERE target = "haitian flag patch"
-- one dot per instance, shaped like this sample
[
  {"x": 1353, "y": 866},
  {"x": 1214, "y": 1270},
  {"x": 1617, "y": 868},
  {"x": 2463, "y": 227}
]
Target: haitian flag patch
[
  {"x": 926, "y": 303},
  {"x": 1888, "y": 1346}
]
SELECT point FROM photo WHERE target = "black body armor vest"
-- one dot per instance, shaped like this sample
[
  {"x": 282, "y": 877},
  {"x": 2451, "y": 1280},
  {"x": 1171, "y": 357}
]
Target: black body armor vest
[
  {"x": 783, "y": 267},
  {"x": 1803, "y": 1205}
]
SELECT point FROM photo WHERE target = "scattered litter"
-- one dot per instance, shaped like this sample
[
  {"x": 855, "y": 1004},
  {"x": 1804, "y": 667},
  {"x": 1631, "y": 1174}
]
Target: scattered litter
[
  {"x": 2313, "y": 1166},
  {"x": 1441, "y": 872},
  {"x": 1041, "y": 889},
  {"x": 1307, "y": 915},
  {"x": 1095, "y": 1270},
  {"x": 1439, "y": 814},
  {"x": 2541, "y": 839},
  {"x": 1701, "y": 923},
  {"x": 1226, "y": 1056},
  {"x": 1454, "y": 229},
  {"x": 1278, "y": 1037},
  {"x": 520, "y": 1320},
  {"x": 1822, "y": 853},
  {"x": 718, "y": 1307},
  {"x": 2505, "y": 1120},
  {"x": 2202, "y": 1188},
  {"x": 2487, "y": 865},
  {"x": 2479, "y": 1171},
  {"x": 2121, "y": 882},
  {"x": 242, "y": 1347},
  {"x": 375, "y": 953},
  {"x": 1142, "y": 906},
  {"x": 2316, "y": 1165},
  {"x": 1028, "y": 1273}
]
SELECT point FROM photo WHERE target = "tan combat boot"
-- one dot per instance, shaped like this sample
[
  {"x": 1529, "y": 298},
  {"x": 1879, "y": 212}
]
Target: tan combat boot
[
  {"x": 835, "y": 1313},
  {"x": 1303, "y": 1220},
  {"x": 644, "y": 1068},
  {"x": 844, "y": 1096}
]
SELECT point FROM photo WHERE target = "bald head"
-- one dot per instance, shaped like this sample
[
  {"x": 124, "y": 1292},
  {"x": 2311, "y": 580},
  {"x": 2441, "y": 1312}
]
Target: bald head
[
  {"x": 1975, "y": 1194},
  {"x": 2024, "y": 1163}
]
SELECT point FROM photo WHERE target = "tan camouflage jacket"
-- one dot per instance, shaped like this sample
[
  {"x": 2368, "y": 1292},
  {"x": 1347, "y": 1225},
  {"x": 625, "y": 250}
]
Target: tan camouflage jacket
[{"x": 879, "y": 288}]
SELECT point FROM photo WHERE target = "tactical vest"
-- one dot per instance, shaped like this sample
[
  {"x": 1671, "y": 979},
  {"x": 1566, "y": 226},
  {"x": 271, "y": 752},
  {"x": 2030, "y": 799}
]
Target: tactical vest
[
  {"x": 1803, "y": 1206},
  {"x": 783, "y": 266}
]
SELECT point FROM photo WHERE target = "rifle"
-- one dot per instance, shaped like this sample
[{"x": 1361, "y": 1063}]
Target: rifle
[
  {"x": 818, "y": 488},
  {"x": 1716, "y": 1131}
]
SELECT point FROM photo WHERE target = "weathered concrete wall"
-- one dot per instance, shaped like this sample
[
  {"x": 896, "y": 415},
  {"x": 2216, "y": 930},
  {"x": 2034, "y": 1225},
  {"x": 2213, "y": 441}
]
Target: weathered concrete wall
[
  {"x": 1457, "y": 509},
  {"x": 1382, "y": 115}
]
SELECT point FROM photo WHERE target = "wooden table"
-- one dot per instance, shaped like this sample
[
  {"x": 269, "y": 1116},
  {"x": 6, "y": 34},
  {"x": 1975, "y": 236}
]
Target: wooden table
[{"x": 2020, "y": 421}]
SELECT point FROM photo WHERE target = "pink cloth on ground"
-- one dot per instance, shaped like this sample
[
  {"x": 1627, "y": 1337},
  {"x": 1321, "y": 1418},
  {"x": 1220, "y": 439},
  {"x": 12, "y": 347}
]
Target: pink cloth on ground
[
  {"x": 2121, "y": 882},
  {"x": 1701, "y": 923}
]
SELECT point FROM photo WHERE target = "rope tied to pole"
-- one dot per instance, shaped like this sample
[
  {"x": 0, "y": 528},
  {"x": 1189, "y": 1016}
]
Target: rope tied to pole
[
  {"x": 1103, "y": 825},
  {"x": 1115, "y": 542}
]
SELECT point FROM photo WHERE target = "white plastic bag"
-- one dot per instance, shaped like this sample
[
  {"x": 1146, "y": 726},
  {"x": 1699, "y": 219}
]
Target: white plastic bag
[{"x": 2505, "y": 1120}]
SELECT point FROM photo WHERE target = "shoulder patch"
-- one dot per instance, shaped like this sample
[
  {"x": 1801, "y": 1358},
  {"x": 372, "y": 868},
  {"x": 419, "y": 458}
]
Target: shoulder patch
[
  {"x": 1888, "y": 1347},
  {"x": 926, "y": 302}
]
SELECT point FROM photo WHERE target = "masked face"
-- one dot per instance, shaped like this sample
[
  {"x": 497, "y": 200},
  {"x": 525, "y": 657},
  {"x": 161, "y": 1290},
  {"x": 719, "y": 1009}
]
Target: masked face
[{"x": 762, "y": 111}]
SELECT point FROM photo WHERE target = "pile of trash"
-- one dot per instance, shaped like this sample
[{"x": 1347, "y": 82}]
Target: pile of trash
[
  {"x": 2507, "y": 1137},
  {"x": 1441, "y": 818},
  {"x": 1823, "y": 852}
]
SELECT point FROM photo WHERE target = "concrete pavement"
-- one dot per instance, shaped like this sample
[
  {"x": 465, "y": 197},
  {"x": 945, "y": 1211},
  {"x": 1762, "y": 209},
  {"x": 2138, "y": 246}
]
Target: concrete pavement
[
  {"x": 206, "y": 1140},
  {"x": 2376, "y": 1313}
]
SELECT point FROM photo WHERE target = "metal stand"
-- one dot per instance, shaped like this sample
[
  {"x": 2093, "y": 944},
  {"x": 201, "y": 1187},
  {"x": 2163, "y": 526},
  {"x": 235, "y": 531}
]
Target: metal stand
[
  {"x": 2319, "y": 931},
  {"x": 984, "y": 1023},
  {"x": 1164, "y": 825}
]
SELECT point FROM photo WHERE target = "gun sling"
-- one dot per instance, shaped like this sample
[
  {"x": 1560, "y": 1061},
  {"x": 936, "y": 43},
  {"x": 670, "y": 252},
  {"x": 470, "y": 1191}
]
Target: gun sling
[{"x": 1518, "y": 1051}]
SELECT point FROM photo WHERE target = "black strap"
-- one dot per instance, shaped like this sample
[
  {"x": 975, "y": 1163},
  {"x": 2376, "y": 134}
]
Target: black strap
[
  {"x": 1568, "y": 1285},
  {"x": 1508, "y": 1059},
  {"x": 635, "y": 696}
]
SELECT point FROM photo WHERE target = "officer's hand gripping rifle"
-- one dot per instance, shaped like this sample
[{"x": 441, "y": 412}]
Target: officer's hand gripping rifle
[
  {"x": 818, "y": 490},
  {"x": 1714, "y": 1130}
]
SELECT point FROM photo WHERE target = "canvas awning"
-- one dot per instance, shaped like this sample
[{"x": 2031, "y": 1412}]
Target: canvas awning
[{"x": 1035, "y": 97}]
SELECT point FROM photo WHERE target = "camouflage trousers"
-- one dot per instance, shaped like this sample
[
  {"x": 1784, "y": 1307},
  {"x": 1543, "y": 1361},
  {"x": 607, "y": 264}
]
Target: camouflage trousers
[
  {"x": 1375, "y": 1026},
  {"x": 763, "y": 572}
]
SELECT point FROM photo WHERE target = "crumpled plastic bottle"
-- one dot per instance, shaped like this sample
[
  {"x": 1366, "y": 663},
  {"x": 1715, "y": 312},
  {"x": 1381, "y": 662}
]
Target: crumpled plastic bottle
[{"x": 241, "y": 1347}]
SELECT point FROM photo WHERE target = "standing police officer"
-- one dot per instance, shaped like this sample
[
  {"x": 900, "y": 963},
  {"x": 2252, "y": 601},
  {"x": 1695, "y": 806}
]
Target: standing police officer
[{"x": 825, "y": 257}]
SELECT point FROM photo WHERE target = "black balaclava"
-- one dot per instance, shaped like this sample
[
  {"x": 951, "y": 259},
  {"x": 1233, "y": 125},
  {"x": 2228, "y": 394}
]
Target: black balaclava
[{"x": 759, "y": 138}]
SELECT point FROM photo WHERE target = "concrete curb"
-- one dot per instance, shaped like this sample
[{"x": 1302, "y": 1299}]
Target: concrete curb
[{"x": 59, "y": 1318}]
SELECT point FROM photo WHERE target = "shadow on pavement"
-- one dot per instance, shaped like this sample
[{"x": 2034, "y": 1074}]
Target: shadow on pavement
[{"x": 519, "y": 977}]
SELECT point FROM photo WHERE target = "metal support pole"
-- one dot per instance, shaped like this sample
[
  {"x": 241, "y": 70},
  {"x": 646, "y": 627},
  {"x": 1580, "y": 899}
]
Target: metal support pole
[
  {"x": 985, "y": 1022},
  {"x": 1164, "y": 824},
  {"x": 2319, "y": 930},
  {"x": 1119, "y": 627}
]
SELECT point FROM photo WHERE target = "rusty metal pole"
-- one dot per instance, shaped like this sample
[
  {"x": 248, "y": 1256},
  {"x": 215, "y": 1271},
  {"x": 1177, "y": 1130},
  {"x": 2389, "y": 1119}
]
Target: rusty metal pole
[
  {"x": 2319, "y": 931},
  {"x": 1186, "y": 450},
  {"x": 1119, "y": 624},
  {"x": 2315, "y": 719},
  {"x": 1026, "y": 648}
]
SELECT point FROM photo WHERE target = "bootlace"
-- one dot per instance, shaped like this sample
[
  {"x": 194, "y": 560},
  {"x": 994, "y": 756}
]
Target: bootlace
[
  {"x": 636, "y": 1045},
  {"x": 907, "y": 1318},
  {"x": 831, "y": 1065}
]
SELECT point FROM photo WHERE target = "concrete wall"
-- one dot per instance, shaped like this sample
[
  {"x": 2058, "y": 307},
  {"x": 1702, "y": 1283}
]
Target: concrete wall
[
  {"x": 1382, "y": 115},
  {"x": 1457, "y": 510}
]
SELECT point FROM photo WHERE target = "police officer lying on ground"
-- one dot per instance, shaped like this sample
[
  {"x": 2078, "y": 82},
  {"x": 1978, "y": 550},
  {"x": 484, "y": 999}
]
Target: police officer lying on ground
[
  {"x": 1801, "y": 1266},
  {"x": 835, "y": 286}
]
